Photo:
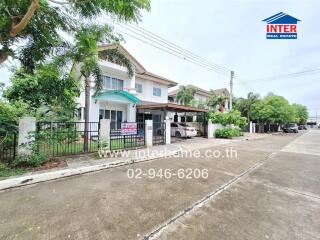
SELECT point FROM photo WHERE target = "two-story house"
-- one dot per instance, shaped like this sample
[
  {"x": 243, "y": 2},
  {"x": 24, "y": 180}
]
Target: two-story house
[
  {"x": 120, "y": 95},
  {"x": 201, "y": 96}
]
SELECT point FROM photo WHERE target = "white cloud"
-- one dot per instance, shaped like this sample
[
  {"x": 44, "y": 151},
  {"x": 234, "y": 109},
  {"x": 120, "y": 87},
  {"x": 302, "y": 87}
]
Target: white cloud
[{"x": 232, "y": 34}]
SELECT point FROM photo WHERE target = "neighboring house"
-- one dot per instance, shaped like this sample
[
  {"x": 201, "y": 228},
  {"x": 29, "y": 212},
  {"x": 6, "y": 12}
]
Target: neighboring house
[
  {"x": 120, "y": 95},
  {"x": 201, "y": 96}
]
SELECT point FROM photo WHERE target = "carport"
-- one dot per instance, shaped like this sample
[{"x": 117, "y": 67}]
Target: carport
[{"x": 158, "y": 112}]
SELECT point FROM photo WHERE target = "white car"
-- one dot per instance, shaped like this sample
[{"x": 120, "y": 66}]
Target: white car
[{"x": 182, "y": 130}]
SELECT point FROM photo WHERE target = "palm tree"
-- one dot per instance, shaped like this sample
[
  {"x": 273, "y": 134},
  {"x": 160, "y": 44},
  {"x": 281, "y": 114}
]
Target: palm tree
[
  {"x": 85, "y": 55},
  {"x": 185, "y": 95},
  {"x": 245, "y": 105}
]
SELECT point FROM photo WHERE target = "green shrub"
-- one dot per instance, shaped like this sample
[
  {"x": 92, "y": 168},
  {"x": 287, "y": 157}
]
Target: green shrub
[
  {"x": 228, "y": 132},
  {"x": 228, "y": 118},
  {"x": 32, "y": 160},
  {"x": 58, "y": 135}
]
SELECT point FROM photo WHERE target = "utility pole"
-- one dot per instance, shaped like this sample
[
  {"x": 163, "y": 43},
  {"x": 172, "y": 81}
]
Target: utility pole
[{"x": 231, "y": 87}]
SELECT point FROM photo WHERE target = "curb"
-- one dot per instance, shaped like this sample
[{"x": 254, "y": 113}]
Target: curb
[{"x": 48, "y": 176}]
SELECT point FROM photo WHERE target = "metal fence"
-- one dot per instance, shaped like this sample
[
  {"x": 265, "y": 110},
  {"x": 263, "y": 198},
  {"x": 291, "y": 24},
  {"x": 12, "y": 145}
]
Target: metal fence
[
  {"x": 119, "y": 139},
  {"x": 159, "y": 133},
  {"x": 8, "y": 147},
  {"x": 67, "y": 138}
]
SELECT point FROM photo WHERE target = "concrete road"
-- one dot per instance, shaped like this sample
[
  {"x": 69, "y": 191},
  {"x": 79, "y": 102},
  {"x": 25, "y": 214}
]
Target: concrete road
[
  {"x": 270, "y": 190},
  {"x": 278, "y": 200}
]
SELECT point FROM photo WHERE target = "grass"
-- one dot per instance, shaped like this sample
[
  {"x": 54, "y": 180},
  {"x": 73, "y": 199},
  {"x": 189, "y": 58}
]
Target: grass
[
  {"x": 117, "y": 144},
  {"x": 6, "y": 171},
  {"x": 60, "y": 149}
]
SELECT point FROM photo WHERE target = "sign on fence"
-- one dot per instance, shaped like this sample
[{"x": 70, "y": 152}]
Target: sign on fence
[{"x": 128, "y": 128}]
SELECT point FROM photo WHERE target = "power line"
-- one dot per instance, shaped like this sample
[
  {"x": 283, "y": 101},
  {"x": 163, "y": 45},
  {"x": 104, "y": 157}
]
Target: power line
[
  {"x": 170, "y": 44},
  {"x": 179, "y": 56},
  {"x": 289, "y": 75},
  {"x": 173, "y": 49},
  {"x": 170, "y": 52}
]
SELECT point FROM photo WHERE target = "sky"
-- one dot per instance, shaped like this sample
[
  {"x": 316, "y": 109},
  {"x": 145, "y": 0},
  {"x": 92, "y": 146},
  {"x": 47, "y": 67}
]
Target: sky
[{"x": 232, "y": 34}]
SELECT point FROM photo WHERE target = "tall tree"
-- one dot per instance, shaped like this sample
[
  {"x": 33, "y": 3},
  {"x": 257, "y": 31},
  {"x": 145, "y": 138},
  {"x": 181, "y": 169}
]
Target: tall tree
[
  {"x": 46, "y": 87},
  {"x": 85, "y": 55},
  {"x": 185, "y": 95},
  {"x": 272, "y": 109},
  {"x": 38, "y": 26},
  {"x": 300, "y": 113},
  {"x": 245, "y": 105}
]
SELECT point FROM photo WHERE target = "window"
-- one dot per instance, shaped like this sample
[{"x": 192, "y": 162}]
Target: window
[
  {"x": 112, "y": 83},
  {"x": 189, "y": 118},
  {"x": 119, "y": 119},
  {"x": 79, "y": 113},
  {"x": 113, "y": 115},
  {"x": 106, "y": 82},
  {"x": 138, "y": 87},
  {"x": 156, "y": 91},
  {"x": 107, "y": 114},
  {"x": 101, "y": 115}
]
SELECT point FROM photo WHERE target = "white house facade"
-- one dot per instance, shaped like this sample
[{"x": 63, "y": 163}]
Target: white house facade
[
  {"x": 120, "y": 95},
  {"x": 201, "y": 97}
]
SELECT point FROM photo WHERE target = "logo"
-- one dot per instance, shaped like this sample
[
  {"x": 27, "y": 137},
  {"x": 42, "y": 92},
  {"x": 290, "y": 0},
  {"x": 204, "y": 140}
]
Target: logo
[{"x": 281, "y": 26}]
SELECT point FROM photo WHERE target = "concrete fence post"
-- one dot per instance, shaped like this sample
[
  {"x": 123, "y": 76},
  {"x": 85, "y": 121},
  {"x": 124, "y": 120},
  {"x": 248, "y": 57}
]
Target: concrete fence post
[
  {"x": 104, "y": 138},
  {"x": 253, "y": 127},
  {"x": 250, "y": 127},
  {"x": 210, "y": 129},
  {"x": 104, "y": 133},
  {"x": 168, "y": 131},
  {"x": 27, "y": 125},
  {"x": 148, "y": 133}
]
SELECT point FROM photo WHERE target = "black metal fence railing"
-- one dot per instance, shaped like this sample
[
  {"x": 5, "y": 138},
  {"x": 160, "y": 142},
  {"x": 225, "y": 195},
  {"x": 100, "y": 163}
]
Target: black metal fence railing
[
  {"x": 127, "y": 135},
  {"x": 159, "y": 133},
  {"x": 67, "y": 138},
  {"x": 8, "y": 147}
]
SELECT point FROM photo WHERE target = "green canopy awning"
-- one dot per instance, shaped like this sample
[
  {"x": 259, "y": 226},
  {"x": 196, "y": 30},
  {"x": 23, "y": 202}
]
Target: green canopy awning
[{"x": 116, "y": 96}]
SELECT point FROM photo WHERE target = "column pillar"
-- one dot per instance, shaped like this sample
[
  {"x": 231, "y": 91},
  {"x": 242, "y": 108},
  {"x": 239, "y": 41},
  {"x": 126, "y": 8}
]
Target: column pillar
[
  {"x": 133, "y": 83},
  {"x": 148, "y": 133},
  {"x": 104, "y": 138},
  {"x": 168, "y": 131},
  {"x": 104, "y": 132},
  {"x": 210, "y": 130},
  {"x": 131, "y": 112},
  {"x": 27, "y": 126}
]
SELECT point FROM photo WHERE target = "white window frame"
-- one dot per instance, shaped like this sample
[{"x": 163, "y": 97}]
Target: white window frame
[{"x": 112, "y": 83}]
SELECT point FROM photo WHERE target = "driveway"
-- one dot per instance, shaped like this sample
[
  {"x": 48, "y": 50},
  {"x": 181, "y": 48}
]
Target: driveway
[{"x": 266, "y": 192}]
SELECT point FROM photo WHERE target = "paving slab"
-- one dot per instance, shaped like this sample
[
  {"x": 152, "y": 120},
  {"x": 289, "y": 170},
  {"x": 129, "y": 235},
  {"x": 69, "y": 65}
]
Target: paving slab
[
  {"x": 251, "y": 210},
  {"x": 109, "y": 205}
]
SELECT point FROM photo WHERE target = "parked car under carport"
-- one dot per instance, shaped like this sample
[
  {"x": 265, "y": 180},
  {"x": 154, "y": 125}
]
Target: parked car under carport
[{"x": 182, "y": 130}]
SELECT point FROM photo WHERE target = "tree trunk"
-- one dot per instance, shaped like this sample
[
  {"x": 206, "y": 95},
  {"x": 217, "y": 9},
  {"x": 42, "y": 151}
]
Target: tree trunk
[{"x": 86, "y": 114}]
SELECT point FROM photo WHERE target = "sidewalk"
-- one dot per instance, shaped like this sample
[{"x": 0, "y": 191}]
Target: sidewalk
[{"x": 89, "y": 163}]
